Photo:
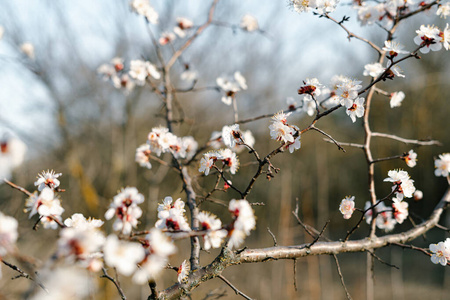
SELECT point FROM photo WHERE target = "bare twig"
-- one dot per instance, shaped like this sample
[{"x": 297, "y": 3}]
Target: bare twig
[
  {"x": 15, "y": 186},
  {"x": 407, "y": 141},
  {"x": 382, "y": 261},
  {"x": 345, "y": 144},
  {"x": 330, "y": 137},
  {"x": 116, "y": 283},
  {"x": 199, "y": 30},
  {"x": 305, "y": 227},
  {"x": 319, "y": 235},
  {"x": 341, "y": 277},
  {"x": 295, "y": 273},
  {"x": 351, "y": 34},
  {"x": 386, "y": 158},
  {"x": 238, "y": 292},
  {"x": 23, "y": 274},
  {"x": 273, "y": 237}
]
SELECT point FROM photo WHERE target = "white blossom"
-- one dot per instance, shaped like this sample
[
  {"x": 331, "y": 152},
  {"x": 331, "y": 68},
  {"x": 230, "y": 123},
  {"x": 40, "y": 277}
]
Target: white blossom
[
  {"x": 442, "y": 165},
  {"x": 142, "y": 7},
  {"x": 402, "y": 182},
  {"x": 356, "y": 110},
  {"x": 428, "y": 36},
  {"x": 400, "y": 210},
  {"x": 48, "y": 179},
  {"x": 374, "y": 70},
  {"x": 142, "y": 156},
  {"x": 27, "y": 49},
  {"x": 249, "y": 23},
  {"x": 183, "y": 271},
  {"x": 347, "y": 206},
  {"x": 124, "y": 207},
  {"x": 443, "y": 10},
  {"x": 396, "y": 99},
  {"x": 411, "y": 159},
  {"x": 441, "y": 253},
  {"x": 215, "y": 234},
  {"x": 122, "y": 255}
]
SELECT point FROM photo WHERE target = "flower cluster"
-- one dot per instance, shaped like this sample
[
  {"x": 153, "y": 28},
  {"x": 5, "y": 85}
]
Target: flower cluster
[
  {"x": 441, "y": 252},
  {"x": 160, "y": 140},
  {"x": 47, "y": 205},
  {"x": 444, "y": 10},
  {"x": 151, "y": 255},
  {"x": 142, "y": 156},
  {"x": 180, "y": 30},
  {"x": 143, "y": 8},
  {"x": 140, "y": 70},
  {"x": 384, "y": 217},
  {"x": 171, "y": 216},
  {"x": 403, "y": 184},
  {"x": 387, "y": 218},
  {"x": 122, "y": 255},
  {"x": 319, "y": 6},
  {"x": 281, "y": 131},
  {"x": 215, "y": 234},
  {"x": 115, "y": 72},
  {"x": 226, "y": 156},
  {"x": 243, "y": 221},
  {"x": 430, "y": 37},
  {"x": 232, "y": 137},
  {"x": 82, "y": 241},
  {"x": 125, "y": 208},
  {"x": 442, "y": 165},
  {"x": 347, "y": 206},
  {"x": 400, "y": 210},
  {"x": 158, "y": 248},
  {"x": 231, "y": 86},
  {"x": 183, "y": 25},
  {"x": 376, "y": 69},
  {"x": 383, "y": 13},
  {"x": 347, "y": 93},
  {"x": 138, "y": 73}
]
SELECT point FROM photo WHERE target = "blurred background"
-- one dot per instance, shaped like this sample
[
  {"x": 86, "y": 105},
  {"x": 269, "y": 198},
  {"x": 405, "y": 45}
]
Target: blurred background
[{"x": 74, "y": 122}]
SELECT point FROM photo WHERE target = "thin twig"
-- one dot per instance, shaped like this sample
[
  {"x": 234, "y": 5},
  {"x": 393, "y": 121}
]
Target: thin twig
[
  {"x": 15, "y": 186},
  {"x": 386, "y": 158},
  {"x": 295, "y": 213},
  {"x": 360, "y": 146},
  {"x": 341, "y": 277},
  {"x": 295, "y": 274},
  {"x": 330, "y": 137},
  {"x": 116, "y": 283},
  {"x": 273, "y": 237},
  {"x": 319, "y": 235},
  {"x": 382, "y": 261},
  {"x": 238, "y": 292},
  {"x": 23, "y": 274},
  {"x": 351, "y": 34},
  {"x": 407, "y": 141}
]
